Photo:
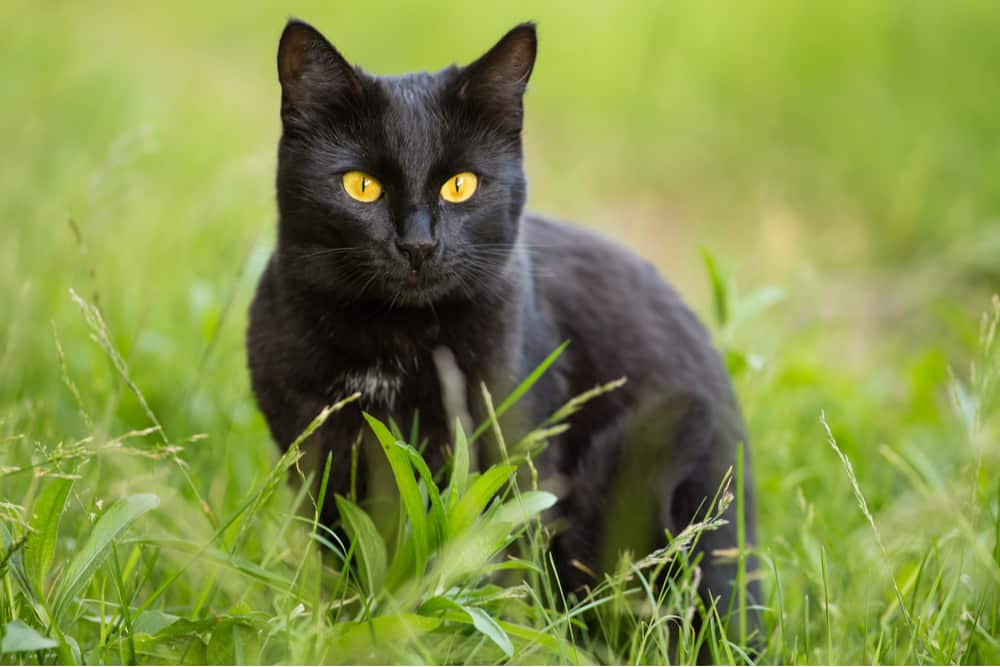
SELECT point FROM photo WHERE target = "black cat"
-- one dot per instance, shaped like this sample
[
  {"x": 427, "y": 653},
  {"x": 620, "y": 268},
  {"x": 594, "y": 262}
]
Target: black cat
[{"x": 402, "y": 232}]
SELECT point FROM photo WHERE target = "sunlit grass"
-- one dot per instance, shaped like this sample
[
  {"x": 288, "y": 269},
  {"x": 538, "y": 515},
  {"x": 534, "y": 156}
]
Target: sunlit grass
[{"x": 836, "y": 160}]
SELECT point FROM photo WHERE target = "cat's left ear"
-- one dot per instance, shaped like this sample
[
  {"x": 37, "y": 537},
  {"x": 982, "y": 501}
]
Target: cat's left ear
[{"x": 495, "y": 83}]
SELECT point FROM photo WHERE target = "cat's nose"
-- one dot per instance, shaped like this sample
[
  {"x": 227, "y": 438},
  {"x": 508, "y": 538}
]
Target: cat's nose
[
  {"x": 416, "y": 240},
  {"x": 416, "y": 250}
]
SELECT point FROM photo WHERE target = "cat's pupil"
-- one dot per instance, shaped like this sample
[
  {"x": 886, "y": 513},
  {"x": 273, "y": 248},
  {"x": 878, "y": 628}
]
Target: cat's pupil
[
  {"x": 458, "y": 184},
  {"x": 364, "y": 184}
]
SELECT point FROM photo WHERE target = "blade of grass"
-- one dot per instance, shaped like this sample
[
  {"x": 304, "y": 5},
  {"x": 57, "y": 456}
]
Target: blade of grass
[
  {"x": 720, "y": 293},
  {"x": 520, "y": 391},
  {"x": 123, "y": 599},
  {"x": 251, "y": 501},
  {"x": 996, "y": 531},
  {"x": 741, "y": 537},
  {"x": 482, "y": 489},
  {"x": 102, "y": 336},
  {"x": 40, "y": 546},
  {"x": 409, "y": 492},
  {"x": 826, "y": 607},
  {"x": 82, "y": 566},
  {"x": 371, "y": 551},
  {"x": 863, "y": 504},
  {"x": 439, "y": 525}
]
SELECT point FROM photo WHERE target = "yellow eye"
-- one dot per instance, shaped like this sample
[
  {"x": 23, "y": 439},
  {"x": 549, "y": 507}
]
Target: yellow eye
[
  {"x": 459, "y": 187},
  {"x": 361, "y": 186}
]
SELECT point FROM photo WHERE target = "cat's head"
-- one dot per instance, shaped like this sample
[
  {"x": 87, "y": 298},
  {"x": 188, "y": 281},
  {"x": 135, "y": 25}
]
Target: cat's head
[{"x": 408, "y": 189}]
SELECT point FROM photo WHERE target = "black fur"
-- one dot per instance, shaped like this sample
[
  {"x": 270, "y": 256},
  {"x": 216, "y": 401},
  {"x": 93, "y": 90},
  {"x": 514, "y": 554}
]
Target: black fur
[{"x": 340, "y": 307}]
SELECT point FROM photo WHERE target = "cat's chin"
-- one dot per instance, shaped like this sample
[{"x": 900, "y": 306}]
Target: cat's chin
[
  {"x": 423, "y": 293},
  {"x": 424, "y": 287}
]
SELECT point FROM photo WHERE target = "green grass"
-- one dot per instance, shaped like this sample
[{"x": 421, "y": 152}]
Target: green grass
[{"x": 835, "y": 160}]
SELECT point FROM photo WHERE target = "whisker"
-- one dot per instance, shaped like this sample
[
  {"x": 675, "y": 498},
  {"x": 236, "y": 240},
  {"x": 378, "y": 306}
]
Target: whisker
[{"x": 322, "y": 252}]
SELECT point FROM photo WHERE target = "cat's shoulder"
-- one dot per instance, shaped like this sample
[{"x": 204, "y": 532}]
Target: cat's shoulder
[
  {"x": 594, "y": 276},
  {"x": 601, "y": 293},
  {"x": 564, "y": 246},
  {"x": 276, "y": 333}
]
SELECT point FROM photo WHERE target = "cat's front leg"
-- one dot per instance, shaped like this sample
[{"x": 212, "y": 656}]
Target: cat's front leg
[{"x": 290, "y": 411}]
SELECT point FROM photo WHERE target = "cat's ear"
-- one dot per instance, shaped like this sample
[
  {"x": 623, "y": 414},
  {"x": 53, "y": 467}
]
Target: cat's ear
[
  {"x": 313, "y": 74},
  {"x": 495, "y": 83}
]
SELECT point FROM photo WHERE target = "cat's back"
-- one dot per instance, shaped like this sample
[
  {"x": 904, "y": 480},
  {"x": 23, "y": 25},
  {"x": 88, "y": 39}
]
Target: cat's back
[{"x": 620, "y": 315}]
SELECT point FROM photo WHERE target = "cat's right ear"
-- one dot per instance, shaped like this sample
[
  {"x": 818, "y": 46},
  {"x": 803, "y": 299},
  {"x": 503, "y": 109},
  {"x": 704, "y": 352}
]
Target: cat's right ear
[
  {"x": 313, "y": 74},
  {"x": 495, "y": 83}
]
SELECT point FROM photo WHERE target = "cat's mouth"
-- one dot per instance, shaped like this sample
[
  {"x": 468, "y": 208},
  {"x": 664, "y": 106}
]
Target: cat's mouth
[
  {"x": 420, "y": 286},
  {"x": 414, "y": 278}
]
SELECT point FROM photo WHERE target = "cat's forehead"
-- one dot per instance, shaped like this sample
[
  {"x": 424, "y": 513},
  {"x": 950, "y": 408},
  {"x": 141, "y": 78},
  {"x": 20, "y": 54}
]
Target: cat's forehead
[
  {"x": 415, "y": 114},
  {"x": 413, "y": 89}
]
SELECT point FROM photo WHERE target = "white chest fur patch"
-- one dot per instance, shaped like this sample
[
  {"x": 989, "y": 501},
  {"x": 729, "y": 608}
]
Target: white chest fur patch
[{"x": 377, "y": 384}]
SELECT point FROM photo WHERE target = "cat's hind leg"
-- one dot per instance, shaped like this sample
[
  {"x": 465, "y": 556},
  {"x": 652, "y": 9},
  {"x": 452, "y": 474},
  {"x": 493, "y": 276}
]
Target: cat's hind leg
[{"x": 653, "y": 473}]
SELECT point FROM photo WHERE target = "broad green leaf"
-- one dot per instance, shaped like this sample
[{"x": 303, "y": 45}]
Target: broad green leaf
[
  {"x": 19, "y": 637},
  {"x": 90, "y": 556},
  {"x": 515, "y": 564},
  {"x": 524, "y": 507},
  {"x": 369, "y": 547},
  {"x": 520, "y": 391},
  {"x": 570, "y": 652},
  {"x": 40, "y": 547},
  {"x": 152, "y": 622},
  {"x": 477, "y": 617},
  {"x": 165, "y": 628},
  {"x": 15, "y": 565},
  {"x": 470, "y": 552},
  {"x": 409, "y": 492},
  {"x": 402, "y": 565},
  {"x": 489, "y": 627},
  {"x": 379, "y": 639},
  {"x": 471, "y": 505},
  {"x": 381, "y": 431},
  {"x": 233, "y": 643},
  {"x": 69, "y": 652},
  {"x": 459, "y": 465},
  {"x": 439, "y": 604}
]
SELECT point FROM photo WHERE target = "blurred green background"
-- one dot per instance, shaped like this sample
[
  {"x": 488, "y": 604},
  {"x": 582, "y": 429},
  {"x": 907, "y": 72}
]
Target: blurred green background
[
  {"x": 786, "y": 136},
  {"x": 840, "y": 160},
  {"x": 846, "y": 152}
]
